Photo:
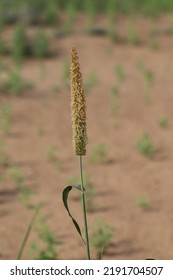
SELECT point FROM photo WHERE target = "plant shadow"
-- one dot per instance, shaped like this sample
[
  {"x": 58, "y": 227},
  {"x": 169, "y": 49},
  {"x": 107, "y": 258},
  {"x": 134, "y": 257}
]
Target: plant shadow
[
  {"x": 123, "y": 248},
  {"x": 7, "y": 195}
]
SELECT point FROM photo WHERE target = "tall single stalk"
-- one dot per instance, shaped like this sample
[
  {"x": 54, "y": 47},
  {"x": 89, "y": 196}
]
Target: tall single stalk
[
  {"x": 84, "y": 209},
  {"x": 78, "y": 109}
]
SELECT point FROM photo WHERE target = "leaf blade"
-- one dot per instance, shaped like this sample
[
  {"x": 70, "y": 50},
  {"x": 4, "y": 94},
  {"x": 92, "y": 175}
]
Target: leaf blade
[{"x": 65, "y": 194}]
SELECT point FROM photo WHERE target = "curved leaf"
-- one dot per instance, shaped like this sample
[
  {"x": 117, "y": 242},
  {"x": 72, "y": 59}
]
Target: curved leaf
[{"x": 65, "y": 201}]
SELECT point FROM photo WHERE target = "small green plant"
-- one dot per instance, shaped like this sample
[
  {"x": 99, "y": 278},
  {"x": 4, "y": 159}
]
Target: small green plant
[
  {"x": 120, "y": 74},
  {"x": 149, "y": 80},
  {"x": 99, "y": 153},
  {"x": 101, "y": 236},
  {"x": 4, "y": 157},
  {"x": 71, "y": 14},
  {"x": 145, "y": 145},
  {"x": 111, "y": 16},
  {"x": 44, "y": 248},
  {"x": 5, "y": 118},
  {"x": 52, "y": 156},
  {"x": 91, "y": 80},
  {"x": 41, "y": 45},
  {"x": 18, "y": 180},
  {"x": 40, "y": 130},
  {"x": 111, "y": 11},
  {"x": 149, "y": 77},
  {"x": 17, "y": 176},
  {"x": 51, "y": 12},
  {"x": 20, "y": 44},
  {"x": 163, "y": 122},
  {"x": 147, "y": 74},
  {"x": 143, "y": 202},
  {"x": 90, "y": 10},
  {"x": 133, "y": 36},
  {"x": 14, "y": 83},
  {"x": 24, "y": 196}
]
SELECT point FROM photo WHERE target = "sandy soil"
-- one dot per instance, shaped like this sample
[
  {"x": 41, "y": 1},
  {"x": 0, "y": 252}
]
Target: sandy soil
[{"x": 125, "y": 176}]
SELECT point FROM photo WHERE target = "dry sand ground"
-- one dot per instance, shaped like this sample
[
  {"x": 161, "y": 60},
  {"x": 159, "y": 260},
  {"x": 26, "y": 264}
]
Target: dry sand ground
[{"x": 127, "y": 174}]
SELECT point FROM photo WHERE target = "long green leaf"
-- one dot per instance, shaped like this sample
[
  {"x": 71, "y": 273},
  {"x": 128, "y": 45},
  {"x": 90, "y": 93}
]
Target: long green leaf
[{"x": 65, "y": 201}]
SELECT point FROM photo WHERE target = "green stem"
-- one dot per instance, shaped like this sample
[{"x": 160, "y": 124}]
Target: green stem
[
  {"x": 19, "y": 254},
  {"x": 84, "y": 211}
]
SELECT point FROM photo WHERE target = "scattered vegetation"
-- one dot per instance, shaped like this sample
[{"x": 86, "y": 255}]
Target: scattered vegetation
[
  {"x": 51, "y": 13},
  {"x": 20, "y": 47},
  {"x": 90, "y": 10},
  {"x": 22, "y": 13},
  {"x": 45, "y": 245},
  {"x": 91, "y": 80},
  {"x": 53, "y": 157},
  {"x": 163, "y": 122},
  {"x": 70, "y": 14},
  {"x": 146, "y": 73},
  {"x": 111, "y": 16},
  {"x": 145, "y": 145},
  {"x": 40, "y": 130},
  {"x": 48, "y": 12},
  {"x": 17, "y": 176},
  {"x": 133, "y": 36},
  {"x": 120, "y": 74},
  {"x": 143, "y": 202},
  {"x": 14, "y": 83},
  {"x": 148, "y": 76},
  {"x": 101, "y": 236},
  {"x": 99, "y": 153},
  {"x": 24, "y": 46},
  {"x": 41, "y": 46},
  {"x": 24, "y": 192}
]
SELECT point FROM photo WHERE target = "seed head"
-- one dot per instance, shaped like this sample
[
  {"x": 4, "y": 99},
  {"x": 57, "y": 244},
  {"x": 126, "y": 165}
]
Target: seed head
[{"x": 78, "y": 106}]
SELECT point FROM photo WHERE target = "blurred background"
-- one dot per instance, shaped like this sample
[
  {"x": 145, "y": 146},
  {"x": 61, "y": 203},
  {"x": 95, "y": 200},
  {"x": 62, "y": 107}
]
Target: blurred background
[{"x": 126, "y": 58}]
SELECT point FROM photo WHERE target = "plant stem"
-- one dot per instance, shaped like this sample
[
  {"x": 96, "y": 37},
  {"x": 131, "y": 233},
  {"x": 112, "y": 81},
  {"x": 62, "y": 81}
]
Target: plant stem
[
  {"x": 84, "y": 210},
  {"x": 19, "y": 254}
]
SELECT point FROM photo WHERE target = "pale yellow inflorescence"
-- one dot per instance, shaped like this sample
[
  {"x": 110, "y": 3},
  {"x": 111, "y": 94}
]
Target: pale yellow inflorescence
[{"x": 78, "y": 106}]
